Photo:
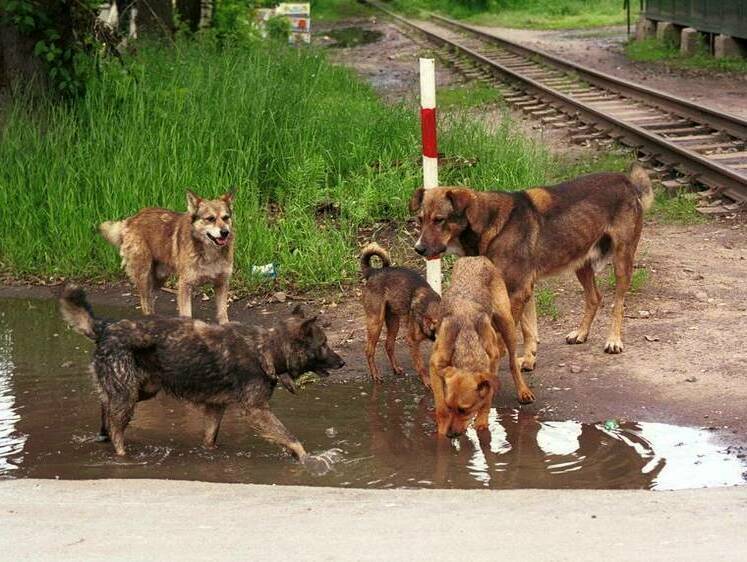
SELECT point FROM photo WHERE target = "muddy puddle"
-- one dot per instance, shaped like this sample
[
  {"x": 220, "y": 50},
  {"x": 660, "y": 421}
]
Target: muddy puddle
[
  {"x": 353, "y": 37},
  {"x": 378, "y": 437}
]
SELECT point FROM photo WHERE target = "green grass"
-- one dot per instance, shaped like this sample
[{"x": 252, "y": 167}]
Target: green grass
[
  {"x": 533, "y": 14},
  {"x": 653, "y": 50},
  {"x": 281, "y": 124},
  {"x": 616, "y": 160},
  {"x": 467, "y": 96},
  {"x": 637, "y": 281},
  {"x": 334, "y": 10},
  {"x": 675, "y": 209},
  {"x": 545, "y": 300}
]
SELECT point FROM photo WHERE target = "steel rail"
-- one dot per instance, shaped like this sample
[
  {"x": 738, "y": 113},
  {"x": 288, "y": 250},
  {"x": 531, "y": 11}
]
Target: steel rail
[{"x": 706, "y": 171}]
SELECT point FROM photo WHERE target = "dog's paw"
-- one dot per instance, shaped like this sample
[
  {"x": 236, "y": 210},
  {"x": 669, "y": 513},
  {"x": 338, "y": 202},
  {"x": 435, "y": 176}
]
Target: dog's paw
[
  {"x": 576, "y": 337},
  {"x": 527, "y": 362},
  {"x": 102, "y": 438},
  {"x": 321, "y": 464},
  {"x": 398, "y": 371},
  {"x": 426, "y": 380},
  {"x": 525, "y": 395},
  {"x": 613, "y": 345}
]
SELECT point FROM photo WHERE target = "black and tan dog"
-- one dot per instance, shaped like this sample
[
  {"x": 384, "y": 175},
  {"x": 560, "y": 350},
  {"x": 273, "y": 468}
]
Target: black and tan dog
[
  {"x": 393, "y": 294},
  {"x": 576, "y": 225},
  {"x": 212, "y": 366},
  {"x": 196, "y": 245},
  {"x": 476, "y": 329}
]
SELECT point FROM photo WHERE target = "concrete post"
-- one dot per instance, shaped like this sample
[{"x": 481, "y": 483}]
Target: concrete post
[
  {"x": 666, "y": 31},
  {"x": 645, "y": 29},
  {"x": 689, "y": 41},
  {"x": 726, "y": 46}
]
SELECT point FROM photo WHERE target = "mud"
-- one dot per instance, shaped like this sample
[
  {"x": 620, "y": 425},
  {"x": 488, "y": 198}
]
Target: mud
[{"x": 374, "y": 436}]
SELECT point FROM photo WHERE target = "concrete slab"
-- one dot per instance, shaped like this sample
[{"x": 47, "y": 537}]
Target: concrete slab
[
  {"x": 690, "y": 41},
  {"x": 172, "y": 520},
  {"x": 725, "y": 46},
  {"x": 645, "y": 29},
  {"x": 668, "y": 32}
]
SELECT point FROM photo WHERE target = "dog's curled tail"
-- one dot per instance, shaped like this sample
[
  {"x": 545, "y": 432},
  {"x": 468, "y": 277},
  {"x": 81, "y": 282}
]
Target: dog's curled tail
[
  {"x": 77, "y": 311},
  {"x": 370, "y": 251},
  {"x": 639, "y": 178},
  {"x": 112, "y": 231}
]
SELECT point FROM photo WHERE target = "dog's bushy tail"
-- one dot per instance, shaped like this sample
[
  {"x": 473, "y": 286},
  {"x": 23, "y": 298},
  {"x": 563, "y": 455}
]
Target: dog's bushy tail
[
  {"x": 77, "y": 311},
  {"x": 370, "y": 251},
  {"x": 639, "y": 178},
  {"x": 112, "y": 231}
]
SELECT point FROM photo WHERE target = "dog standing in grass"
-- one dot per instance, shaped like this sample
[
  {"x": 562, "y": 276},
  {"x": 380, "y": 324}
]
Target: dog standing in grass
[
  {"x": 476, "y": 329},
  {"x": 393, "y": 294},
  {"x": 196, "y": 245}
]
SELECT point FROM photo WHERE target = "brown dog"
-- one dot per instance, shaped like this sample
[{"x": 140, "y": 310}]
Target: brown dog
[
  {"x": 392, "y": 294},
  {"x": 577, "y": 225},
  {"x": 196, "y": 245},
  {"x": 476, "y": 327}
]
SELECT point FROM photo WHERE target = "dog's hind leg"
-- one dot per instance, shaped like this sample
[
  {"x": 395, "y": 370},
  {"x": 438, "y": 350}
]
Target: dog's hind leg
[
  {"x": 593, "y": 299},
  {"x": 103, "y": 435},
  {"x": 139, "y": 266},
  {"x": 272, "y": 429},
  {"x": 374, "y": 323},
  {"x": 120, "y": 414},
  {"x": 392, "y": 328},
  {"x": 623, "y": 262},
  {"x": 213, "y": 416}
]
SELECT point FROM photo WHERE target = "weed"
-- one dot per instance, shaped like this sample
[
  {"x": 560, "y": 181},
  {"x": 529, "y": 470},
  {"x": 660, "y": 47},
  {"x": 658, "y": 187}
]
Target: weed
[
  {"x": 282, "y": 124},
  {"x": 467, "y": 96},
  {"x": 536, "y": 14},
  {"x": 545, "y": 300},
  {"x": 637, "y": 281},
  {"x": 675, "y": 209},
  {"x": 654, "y": 50}
]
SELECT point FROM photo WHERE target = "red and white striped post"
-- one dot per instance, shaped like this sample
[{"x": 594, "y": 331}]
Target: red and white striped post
[{"x": 430, "y": 150}]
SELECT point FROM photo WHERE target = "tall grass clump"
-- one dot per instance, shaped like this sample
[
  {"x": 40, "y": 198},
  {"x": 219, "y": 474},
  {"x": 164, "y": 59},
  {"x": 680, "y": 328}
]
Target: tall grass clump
[
  {"x": 281, "y": 124},
  {"x": 535, "y": 14}
]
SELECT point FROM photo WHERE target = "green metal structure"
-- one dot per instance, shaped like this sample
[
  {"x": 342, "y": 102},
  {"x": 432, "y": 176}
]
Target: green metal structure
[{"x": 712, "y": 16}]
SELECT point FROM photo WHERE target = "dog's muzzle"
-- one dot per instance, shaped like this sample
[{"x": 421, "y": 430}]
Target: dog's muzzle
[{"x": 221, "y": 240}]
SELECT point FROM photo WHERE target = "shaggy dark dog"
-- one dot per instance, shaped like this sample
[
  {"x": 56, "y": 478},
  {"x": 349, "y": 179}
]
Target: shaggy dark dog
[{"x": 210, "y": 365}]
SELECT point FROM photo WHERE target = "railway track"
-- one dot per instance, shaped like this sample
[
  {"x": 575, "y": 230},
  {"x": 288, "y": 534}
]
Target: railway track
[{"x": 684, "y": 143}]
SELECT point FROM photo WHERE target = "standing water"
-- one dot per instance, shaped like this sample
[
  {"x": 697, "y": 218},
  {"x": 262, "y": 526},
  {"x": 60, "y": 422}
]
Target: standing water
[{"x": 383, "y": 435}]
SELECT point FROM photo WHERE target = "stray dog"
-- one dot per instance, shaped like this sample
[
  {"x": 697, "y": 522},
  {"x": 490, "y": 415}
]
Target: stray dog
[
  {"x": 392, "y": 294},
  {"x": 476, "y": 328},
  {"x": 577, "y": 225},
  {"x": 196, "y": 245},
  {"x": 210, "y": 365}
]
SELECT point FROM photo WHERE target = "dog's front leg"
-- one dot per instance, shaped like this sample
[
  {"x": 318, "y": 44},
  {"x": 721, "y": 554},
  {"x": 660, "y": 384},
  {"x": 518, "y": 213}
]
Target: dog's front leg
[
  {"x": 272, "y": 429},
  {"x": 184, "y": 298},
  {"x": 221, "y": 300},
  {"x": 413, "y": 341},
  {"x": 213, "y": 416},
  {"x": 530, "y": 334}
]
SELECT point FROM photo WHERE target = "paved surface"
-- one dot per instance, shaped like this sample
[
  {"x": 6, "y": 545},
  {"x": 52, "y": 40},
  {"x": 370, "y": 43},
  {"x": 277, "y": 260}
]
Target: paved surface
[{"x": 171, "y": 520}]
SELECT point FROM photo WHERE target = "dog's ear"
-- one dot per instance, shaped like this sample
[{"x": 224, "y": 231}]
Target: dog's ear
[
  {"x": 193, "y": 202},
  {"x": 485, "y": 385},
  {"x": 229, "y": 195},
  {"x": 297, "y": 311},
  {"x": 467, "y": 203},
  {"x": 306, "y": 324},
  {"x": 416, "y": 200}
]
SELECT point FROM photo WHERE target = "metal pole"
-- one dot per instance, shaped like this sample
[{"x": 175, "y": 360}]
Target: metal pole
[{"x": 430, "y": 149}]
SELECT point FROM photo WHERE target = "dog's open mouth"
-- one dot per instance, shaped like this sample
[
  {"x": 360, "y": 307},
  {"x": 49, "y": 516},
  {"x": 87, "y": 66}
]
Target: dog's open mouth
[{"x": 220, "y": 241}]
